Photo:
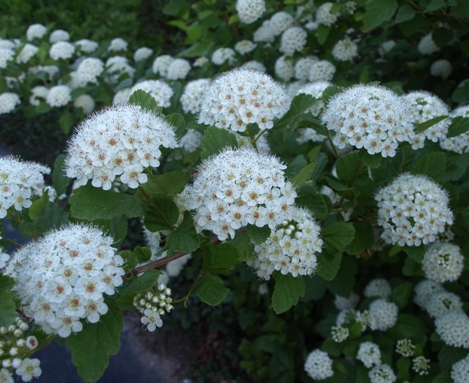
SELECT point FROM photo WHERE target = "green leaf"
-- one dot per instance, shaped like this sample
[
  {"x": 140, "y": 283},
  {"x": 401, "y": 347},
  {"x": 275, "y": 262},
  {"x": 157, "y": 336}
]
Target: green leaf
[
  {"x": 195, "y": 50},
  {"x": 287, "y": 291},
  {"x": 363, "y": 240},
  {"x": 347, "y": 166},
  {"x": 38, "y": 206},
  {"x": 419, "y": 128},
  {"x": 295, "y": 166},
  {"x": 379, "y": 11},
  {"x": 116, "y": 227},
  {"x": 449, "y": 355},
  {"x": 143, "y": 253},
  {"x": 242, "y": 243},
  {"x": 322, "y": 32},
  {"x": 90, "y": 203},
  {"x": 258, "y": 234},
  {"x": 178, "y": 122},
  {"x": 416, "y": 253},
  {"x": 328, "y": 265},
  {"x": 344, "y": 280},
  {"x": 167, "y": 184},
  {"x": 211, "y": 290},
  {"x": 145, "y": 100},
  {"x": 401, "y": 293},
  {"x": 433, "y": 5},
  {"x": 299, "y": 105},
  {"x": 443, "y": 377},
  {"x": 52, "y": 218},
  {"x": 315, "y": 288},
  {"x": 461, "y": 9},
  {"x": 459, "y": 126},
  {"x": 431, "y": 164},
  {"x": 303, "y": 175},
  {"x": 7, "y": 304},
  {"x": 60, "y": 181},
  {"x": 364, "y": 76},
  {"x": 338, "y": 235},
  {"x": 405, "y": 13},
  {"x": 222, "y": 256},
  {"x": 176, "y": 7},
  {"x": 316, "y": 203},
  {"x": 371, "y": 160},
  {"x": 403, "y": 365},
  {"x": 161, "y": 215},
  {"x": 141, "y": 283},
  {"x": 215, "y": 140},
  {"x": 130, "y": 259},
  {"x": 66, "y": 122},
  {"x": 92, "y": 347},
  {"x": 409, "y": 326},
  {"x": 185, "y": 238},
  {"x": 442, "y": 36},
  {"x": 461, "y": 93},
  {"x": 334, "y": 349}
]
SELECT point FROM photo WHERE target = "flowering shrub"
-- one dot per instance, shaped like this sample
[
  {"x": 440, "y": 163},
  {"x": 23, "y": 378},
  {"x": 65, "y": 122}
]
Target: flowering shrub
[{"x": 312, "y": 160}]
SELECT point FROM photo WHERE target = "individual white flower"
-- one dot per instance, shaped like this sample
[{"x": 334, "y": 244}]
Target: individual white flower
[
  {"x": 28, "y": 369},
  {"x": 384, "y": 314},
  {"x": 255, "y": 65},
  {"x": 443, "y": 262},
  {"x": 86, "y": 46},
  {"x": 193, "y": 92},
  {"x": 343, "y": 303},
  {"x": 8, "y": 102},
  {"x": 303, "y": 67},
  {"x": 240, "y": 187},
  {"x": 158, "y": 89},
  {"x": 120, "y": 141},
  {"x": 324, "y": 15},
  {"x": 318, "y": 365},
  {"x": 222, "y": 55},
  {"x": 291, "y": 248},
  {"x": 245, "y": 46},
  {"x": 424, "y": 290},
  {"x": 345, "y": 50},
  {"x": 316, "y": 89},
  {"x": 200, "y": 61},
  {"x": 427, "y": 46},
  {"x": 61, "y": 50},
  {"x": 441, "y": 68},
  {"x": 378, "y": 288},
  {"x": 284, "y": 68},
  {"x": 382, "y": 374},
  {"x": 161, "y": 64},
  {"x": 122, "y": 96},
  {"x": 35, "y": 31},
  {"x": 6, "y": 376},
  {"x": 178, "y": 69},
  {"x": 38, "y": 91},
  {"x": 264, "y": 34},
  {"x": 459, "y": 371},
  {"x": 405, "y": 347},
  {"x": 250, "y": 10},
  {"x": 370, "y": 117},
  {"x": 66, "y": 278},
  {"x": 442, "y": 303},
  {"x": 280, "y": 22},
  {"x": 412, "y": 210},
  {"x": 5, "y": 56},
  {"x": 175, "y": 267},
  {"x": 424, "y": 106},
  {"x": 293, "y": 40},
  {"x": 453, "y": 328},
  {"x": 241, "y": 97},
  {"x": 59, "y": 95},
  {"x": 322, "y": 70},
  {"x": 59, "y": 35},
  {"x": 118, "y": 65},
  {"x": 89, "y": 70},
  {"x": 118, "y": 45},
  {"x": 27, "y": 52},
  {"x": 142, "y": 54},
  {"x": 369, "y": 354},
  {"x": 460, "y": 143},
  {"x": 85, "y": 102}
]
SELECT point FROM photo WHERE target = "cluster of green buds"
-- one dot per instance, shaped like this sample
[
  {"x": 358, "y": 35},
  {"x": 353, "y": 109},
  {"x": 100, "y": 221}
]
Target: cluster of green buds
[{"x": 153, "y": 304}]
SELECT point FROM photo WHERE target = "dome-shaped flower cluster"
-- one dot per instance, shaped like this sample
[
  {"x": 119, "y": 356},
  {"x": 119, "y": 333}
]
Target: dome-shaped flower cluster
[
  {"x": 378, "y": 288},
  {"x": 153, "y": 305},
  {"x": 441, "y": 68},
  {"x": 458, "y": 144},
  {"x": 241, "y": 97},
  {"x": 161, "y": 64},
  {"x": 118, "y": 45},
  {"x": 318, "y": 365},
  {"x": 405, "y": 347},
  {"x": 59, "y": 35},
  {"x": 191, "y": 141},
  {"x": 245, "y": 46},
  {"x": 291, "y": 247},
  {"x": 453, "y": 328},
  {"x": 345, "y": 50},
  {"x": 63, "y": 277},
  {"x": 284, "y": 68},
  {"x": 424, "y": 106},
  {"x": 158, "y": 89},
  {"x": 427, "y": 46},
  {"x": 8, "y": 102},
  {"x": 59, "y": 95},
  {"x": 324, "y": 14},
  {"x": 222, "y": 55},
  {"x": 120, "y": 141},
  {"x": 442, "y": 303},
  {"x": 383, "y": 315},
  {"x": 293, "y": 40},
  {"x": 178, "y": 69},
  {"x": 460, "y": 371},
  {"x": 35, "y": 31},
  {"x": 370, "y": 117},
  {"x": 424, "y": 290},
  {"x": 38, "y": 92},
  {"x": 240, "y": 187},
  {"x": 382, "y": 374},
  {"x": 265, "y": 33},
  {"x": 61, "y": 50},
  {"x": 142, "y": 54},
  {"x": 250, "y": 10},
  {"x": 369, "y": 354},
  {"x": 443, "y": 262},
  {"x": 86, "y": 46},
  {"x": 89, "y": 69},
  {"x": 322, "y": 70},
  {"x": 350, "y": 303},
  {"x": 5, "y": 56},
  {"x": 85, "y": 102},
  {"x": 303, "y": 66},
  {"x": 193, "y": 92},
  {"x": 26, "y": 53},
  {"x": 280, "y": 22},
  {"x": 412, "y": 210},
  {"x": 19, "y": 181}
]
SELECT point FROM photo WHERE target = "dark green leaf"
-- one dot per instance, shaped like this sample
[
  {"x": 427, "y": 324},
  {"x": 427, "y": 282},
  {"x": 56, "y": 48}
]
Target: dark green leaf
[
  {"x": 433, "y": 5},
  {"x": 130, "y": 259},
  {"x": 167, "y": 184},
  {"x": 196, "y": 50},
  {"x": 287, "y": 292},
  {"x": 178, "y": 122},
  {"x": 215, "y": 140},
  {"x": 116, "y": 227},
  {"x": 161, "y": 215},
  {"x": 322, "y": 32},
  {"x": 211, "y": 290},
  {"x": 379, "y": 11},
  {"x": 222, "y": 256},
  {"x": 328, "y": 265},
  {"x": 403, "y": 365},
  {"x": 459, "y": 126},
  {"x": 66, "y": 122},
  {"x": 371, "y": 160},
  {"x": 242, "y": 243},
  {"x": 405, "y": 13},
  {"x": 140, "y": 283},
  {"x": 7, "y": 304},
  {"x": 461, "y": 9},
  {"x": 258, "y": 234},
  {"x": 347, "y": 167},
  {"x": 52, "y": 218},
  {"x": 442, "y": 36},
  {"x": 38, "y": 206},
  {"x": 185, "y": 238},
  {"x": 145, "y": 100},
  {"x": 416, "y": 253},
  {"x": 299, "y": 105},
  {"x": 431, "y": 164},
  {"x": 364, "y": 238},
  {"x": 315, "y": 288},
  {"x": 303, "y": 175},
  {"x": 401, "y": 293},
  {"x": 60, "y": 181},
  {"x": 90, "y": 203},
  {"x": 338, "y": 235},
  {"x": 143, "y": 253},
  {"x": 419, "y": 128},
  {"x": 294, "y": 167},
  {"x": 316, "y": 203},
  {"x": 409, "y": 326},
  {"x": 449, "y": 355},
  {"x": 334, "y": 349}
]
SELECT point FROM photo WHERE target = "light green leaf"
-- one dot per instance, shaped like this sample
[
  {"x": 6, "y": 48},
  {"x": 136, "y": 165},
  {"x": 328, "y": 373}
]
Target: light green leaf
[
  {"x": 141, "y": 283},
  {"x": 299, "y": 105},
  {"x": 90, "y": 203},
  {"x": 303, "y": 175},
  {"x": 66, "y": 122},
  {"x": 258, "y": 234},
  {"x": 7, "y": 304},
  {"x": 287, "y": 292},
  {"x": 379, "y": 11},
  {"x": 195, "y": 50},
  {"x": 428, "y": 124},
  {"x": 431, "y": 164},
  {"x": 459, "y": 126},
  {"x": 215, "y": 140},
  {"x": 211, "y": 290},
  {"x": 145, "y": 100}
]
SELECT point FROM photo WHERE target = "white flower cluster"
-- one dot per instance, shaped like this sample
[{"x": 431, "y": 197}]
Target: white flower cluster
[
  {"x": 370, "y": 117},
  {"x": 5, "y": 56},
  {"x": 460, "y": 371},
  {"x": 245, "y": 46},
  {"x": 59, "y": 35},
  {"x": 119, "y": 141},
  {"x": 38, "y": 92},
  {"x": 345, "y": 50},
  {"x": 318, "y": 365},
  {"x": 458, "y": 144},
  {"x": 291, "y": 247},
  {"x": 122, "y": 96},
  {"x": 178, "y": 69},
  {"x": 424, "y": 290},
  {"x": 63, "y": 277},
  {"x": 412, "y": 210},
  {"x": 161, "y": 64},
  {"x": 8, "y": 102},
  {"x": 250, "y": 10},
  {"x": 265, "y": 33},
  {"x": 35, "y": 31},
  {"x": 303, "y": 67},
  {"x": 324, "y": 15},
  {"x": 309, "y": 134},
  {"x": 61, "y": 50},
  {"x": 19, "y": 181},
  {"x": 322, "y": 70},
  {"x": 424, "y": 106},
  {"x": 86, "y": 46},
  {"x": 142, "y": 54},
  {"x": 443, "y": 262},
  {"x": 153, "y": 305},
  {"x": 27, "y": 52},
  {"x": 284, "y": 68},
  {"x": 89, "y": 70},
  {"x": 350, "y": 303},
  {"x": 405, "y": 347},
  {"x": 339, "y": 333},
  {"x": 85, "y": 102},
  {"x": 378, "y": 288},
  {"x": 118, "y": 66},
  {"x": 193, "y": 92},
  {"x": 280, "y": 22},
  {"x": 255, "y": 65},
  {"x": 44, "y": 71},
  {"x": 383, "y": 314},
  {"x": 241, "y": 97},
  {"x": 59, "y": 95},
  {"x": 158, "y": 89},
  {"x": 240, "y": 187},
  {"x": 427, "y": 46},
  {"x": 316, "y": 89},
  {"x": 191, "y": 141},
  {"x": 222, "y": 55},
  {"x": 441, "y": 68},
  {"x": 382, "y": 374},
  {"x": 370, "y": 354},
  {"x": 453, "y": 328},
  {"x": 118, "y": 45},
  {"x": 200, "y": 61},
  {"x": 293, "y": 40},
  {"x": 421, "y": 365},
  {"x": 4, "y": 257},
  {"x": 443, "y": 302}
]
